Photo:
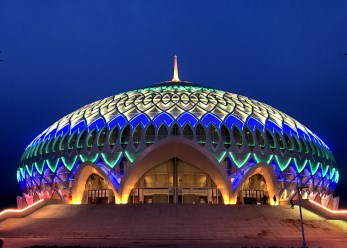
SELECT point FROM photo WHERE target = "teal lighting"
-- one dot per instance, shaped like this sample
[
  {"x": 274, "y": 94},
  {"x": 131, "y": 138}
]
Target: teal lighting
[
  {"x": 111, "y": 162},
  {"x": 91, "y": 158},
  {"x": 282, "y": 162},
  {"x": 239, "y": 162},
  {"x": 300, "y": 166},
  {"x": 69, "y": 164},
  {"x": 53, "y": 165}
]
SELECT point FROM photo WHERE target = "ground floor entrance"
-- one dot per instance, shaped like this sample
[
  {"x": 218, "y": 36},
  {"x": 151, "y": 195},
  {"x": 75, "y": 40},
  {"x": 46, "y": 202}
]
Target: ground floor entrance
[
  {"x": 175, "y": 181},
  {"x": 254, "y": 191},
  {"x": 99, "y": 196}
]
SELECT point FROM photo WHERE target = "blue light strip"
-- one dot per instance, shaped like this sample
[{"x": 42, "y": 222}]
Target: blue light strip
[
  {"x": 78, "y": 126},
  {"x": 253, "y": 122},
  {"x": 209, "y": 118},
  {"x": 187, "y": 117},
  {"x": 140, "y": 118},
  {"x": 163, "y": 117},
  {"x": 231, "y": 119},
  {"x": 119, "y": 120},
  {"x": 98, "y": 123},
  {"x": 273, "y": 126}
]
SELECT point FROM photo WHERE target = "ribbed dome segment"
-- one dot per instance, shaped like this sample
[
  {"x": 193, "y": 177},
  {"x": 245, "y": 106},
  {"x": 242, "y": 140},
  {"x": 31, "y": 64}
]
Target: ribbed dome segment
[{"x": 229, "y": 126}]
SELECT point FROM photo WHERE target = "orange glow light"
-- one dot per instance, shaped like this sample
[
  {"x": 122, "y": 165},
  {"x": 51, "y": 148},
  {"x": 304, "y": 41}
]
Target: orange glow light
[{"x": 20, "y": 210}]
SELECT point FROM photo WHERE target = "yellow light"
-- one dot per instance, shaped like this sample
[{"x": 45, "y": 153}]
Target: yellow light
[
  {"x": 20, "y": 210},
  {"x": 175, "y": 76},
  {"x": 329, "y": 210}
]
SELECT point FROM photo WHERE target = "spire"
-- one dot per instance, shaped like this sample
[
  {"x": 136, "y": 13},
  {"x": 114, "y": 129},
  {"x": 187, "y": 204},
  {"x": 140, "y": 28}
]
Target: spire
[{"x": 175, "y": 75}]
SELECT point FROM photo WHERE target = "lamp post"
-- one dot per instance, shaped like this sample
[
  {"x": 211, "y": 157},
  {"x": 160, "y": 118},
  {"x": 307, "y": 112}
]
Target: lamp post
[{"x": 302, "y": 224}]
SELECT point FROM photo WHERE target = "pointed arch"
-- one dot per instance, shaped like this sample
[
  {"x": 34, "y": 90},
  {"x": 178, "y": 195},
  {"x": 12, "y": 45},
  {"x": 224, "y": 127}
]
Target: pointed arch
[
  {"x": 183, "y": 149},
  {"x": 188, "y": 132},
  {"x": 162, "y": 132},
  {"x": 83, "y": 172}
]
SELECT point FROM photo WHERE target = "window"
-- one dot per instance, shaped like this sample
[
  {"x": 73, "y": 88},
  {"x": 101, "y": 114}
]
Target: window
[
  {"x": 162, "y": 132},
  {"x": 48, "y": 144},
  {"x": 279, "y": 140},
  {"x": 175, "y": 130},
  {"x": 56, "y": 143},
  {"x": 150, "y": 135},
  {"x": 82, "y": 138},
  {"x": 63, "y": 142},
  {"x": 270, "y": 139},
  {"x": 213, "y": 134},
  {"x": 249, "y": 136},
  {"x": 225, "y": 135},
  {"x": 124, "y": 139},
  {"x": 91, "y": 138},
  {"x": 72, "y": 140},
  {"x": 297, "y": 144},
  {"x": 102, "y": 136},
  {"x": 112, "y": 137},
  {"x": 312, "y": 147},
  {"x": 304, "y": 145},
  {"x": 137, "y": 135},
  {"x": 237, "y": 136},
  {"x": 188, "y": 132},
  {"x": 288, "y": 142},
  {"x": 260, "y": 137},
  {"x": 200, "y": 135}
]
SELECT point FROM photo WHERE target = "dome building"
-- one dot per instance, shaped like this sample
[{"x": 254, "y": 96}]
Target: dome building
[{"x": 177, "y": 142}]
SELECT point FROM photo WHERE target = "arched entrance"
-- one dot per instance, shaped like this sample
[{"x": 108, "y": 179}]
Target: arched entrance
[
  {"x": 180, "y": 149},
  {"x": 97, "y": 190},
  {"x": 259, "y": 181},
  {"x": 91, "y": 185},
  {"x": 254, "y": 190},
  {"x": 175, "y": 181}
]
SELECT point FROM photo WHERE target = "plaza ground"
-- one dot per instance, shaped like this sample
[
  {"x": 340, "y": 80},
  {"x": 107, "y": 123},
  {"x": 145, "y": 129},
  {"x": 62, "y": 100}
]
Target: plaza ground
[{"x": 171, "y": 225}]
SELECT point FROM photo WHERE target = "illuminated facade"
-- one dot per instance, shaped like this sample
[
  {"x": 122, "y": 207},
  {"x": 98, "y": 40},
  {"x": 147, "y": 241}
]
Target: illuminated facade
[{"x": 176, "y": 142}]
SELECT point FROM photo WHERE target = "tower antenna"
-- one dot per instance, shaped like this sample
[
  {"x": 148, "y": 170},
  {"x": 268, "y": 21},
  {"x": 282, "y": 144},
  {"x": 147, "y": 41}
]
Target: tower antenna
[{"x": 175, "y": 75}]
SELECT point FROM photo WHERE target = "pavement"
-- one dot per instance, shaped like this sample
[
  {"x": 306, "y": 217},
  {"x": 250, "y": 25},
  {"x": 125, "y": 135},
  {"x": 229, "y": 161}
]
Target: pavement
[{"x": 171, "y": 225}]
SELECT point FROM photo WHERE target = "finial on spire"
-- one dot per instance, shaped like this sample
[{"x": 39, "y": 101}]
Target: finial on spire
[{"x": 175, "y": 75}]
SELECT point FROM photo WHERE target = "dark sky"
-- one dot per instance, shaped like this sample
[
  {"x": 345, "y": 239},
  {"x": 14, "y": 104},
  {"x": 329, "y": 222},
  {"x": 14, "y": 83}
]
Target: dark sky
[{"x": 60, "y": 55}]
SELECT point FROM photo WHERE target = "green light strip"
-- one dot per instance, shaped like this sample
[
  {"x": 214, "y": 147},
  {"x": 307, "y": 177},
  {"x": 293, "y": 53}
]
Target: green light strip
[
  {"x": 282, "y": 164},
  {"x": 314, "y": 168},
  {"x": 18, "y": 176},
  {"x": 111, "y": 162},
  {"x": 298, "y": 166},
  {"x": 39, "y": 166},
  {"x": 130, "y": 158},
  {"x": 259, "y": 159},
  {"x": 220, "y": 157},
  {"x": 337, "y": 176},
  {"x": 332, "y": 172},
  {"x": 22, "y": 171},
  {"x": 52, "y": 166},
  {"x": 324, "y": 172},
  {"x": 69, "y": 165},
  {"x": 239, "y": 162},
  {"x": 90, "y": 158},
  {"x": 30, "y": 170}
]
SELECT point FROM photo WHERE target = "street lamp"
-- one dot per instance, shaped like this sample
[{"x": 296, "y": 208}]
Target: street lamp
[{"x": 302, "y": 224}]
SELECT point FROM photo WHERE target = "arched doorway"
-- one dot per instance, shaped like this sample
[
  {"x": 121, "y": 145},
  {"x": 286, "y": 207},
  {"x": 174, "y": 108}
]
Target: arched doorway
[
  {"x": 175, "y": 181},
  {"x": 254, "y": 190},
  {"x": 169, "y": 149},
  {"x": 92, "y": 185},
  {"x": 97, "y": 190}
]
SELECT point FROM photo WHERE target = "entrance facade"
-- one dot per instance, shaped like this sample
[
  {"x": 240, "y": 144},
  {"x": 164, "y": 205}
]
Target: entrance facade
[
  {"x": 254, "y": 190},
  {"x": 97, "y": 191},
  {"x": 175, "y": 181}
]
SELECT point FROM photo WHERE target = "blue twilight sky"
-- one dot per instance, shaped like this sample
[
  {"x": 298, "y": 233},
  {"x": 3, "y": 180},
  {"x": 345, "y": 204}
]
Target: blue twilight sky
[{"x": 60, "y": 55}]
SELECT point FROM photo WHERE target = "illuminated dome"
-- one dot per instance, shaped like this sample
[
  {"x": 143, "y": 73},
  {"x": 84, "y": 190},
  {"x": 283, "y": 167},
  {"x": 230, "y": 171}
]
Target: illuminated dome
[{"x": 176, "y": 142}]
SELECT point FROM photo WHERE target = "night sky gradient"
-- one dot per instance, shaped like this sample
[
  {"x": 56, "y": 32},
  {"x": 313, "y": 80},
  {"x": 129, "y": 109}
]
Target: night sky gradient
[{"x": 60, "y": 55}]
